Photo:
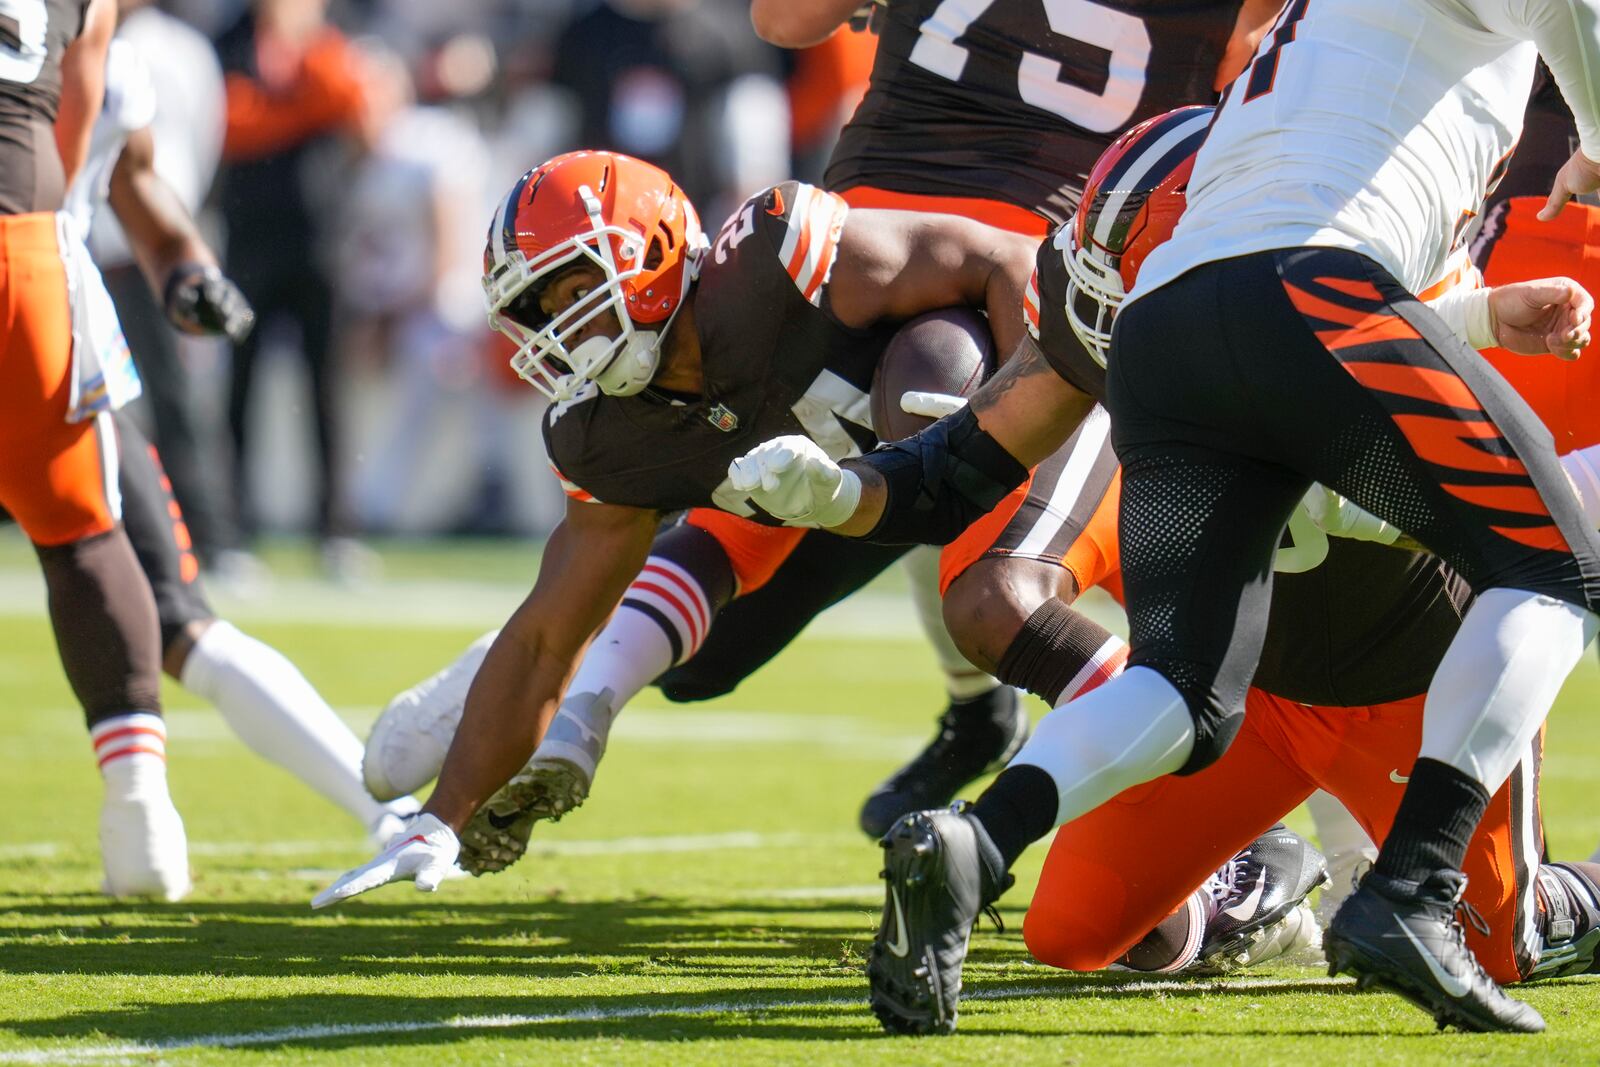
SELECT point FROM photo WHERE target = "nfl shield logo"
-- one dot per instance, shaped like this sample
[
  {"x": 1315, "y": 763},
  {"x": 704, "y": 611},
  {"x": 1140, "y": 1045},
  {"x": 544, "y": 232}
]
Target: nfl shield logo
[{"x": 723, "y": 419}]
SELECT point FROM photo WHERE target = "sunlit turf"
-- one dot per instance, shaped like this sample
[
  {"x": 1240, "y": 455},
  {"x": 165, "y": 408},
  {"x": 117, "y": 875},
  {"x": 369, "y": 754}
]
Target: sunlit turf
[{"x": 711, "y": 903}]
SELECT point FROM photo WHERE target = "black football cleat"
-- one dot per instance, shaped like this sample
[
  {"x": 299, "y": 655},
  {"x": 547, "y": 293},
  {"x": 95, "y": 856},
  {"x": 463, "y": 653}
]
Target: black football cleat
[
  {"x": 941, "y": 871},
  {"x": 1251, "y": 893},
  {"x": 976, "y": 737},
  {"x": 1569, "y": 924},
  {"x": 1406, "y": 939}
]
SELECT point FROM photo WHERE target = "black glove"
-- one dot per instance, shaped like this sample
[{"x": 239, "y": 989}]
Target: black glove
[{"x": 201, "y": 300}]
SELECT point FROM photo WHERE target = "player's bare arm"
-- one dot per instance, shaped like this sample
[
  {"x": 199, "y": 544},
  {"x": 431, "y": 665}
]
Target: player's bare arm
[
  {"x": 83, "y": 84},
  {"x": 799, "y": 23},
  {"x": 159, "y": 230},
  {"x": 898, "y": 264},
  {"x": 1255, "y": 19},
  {"x": 590, "y": 559}
]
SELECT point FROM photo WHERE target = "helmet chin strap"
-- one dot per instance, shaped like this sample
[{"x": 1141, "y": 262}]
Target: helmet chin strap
[{"x": 633, "y": 365}]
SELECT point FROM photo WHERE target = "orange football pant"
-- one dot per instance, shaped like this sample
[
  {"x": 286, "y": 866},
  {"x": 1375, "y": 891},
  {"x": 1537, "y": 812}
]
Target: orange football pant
[{"x": 57, "y": 479}]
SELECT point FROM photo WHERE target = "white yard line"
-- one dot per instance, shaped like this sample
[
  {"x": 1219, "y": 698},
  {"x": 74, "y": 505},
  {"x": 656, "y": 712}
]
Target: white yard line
[{"x": 92, "y": 1053}]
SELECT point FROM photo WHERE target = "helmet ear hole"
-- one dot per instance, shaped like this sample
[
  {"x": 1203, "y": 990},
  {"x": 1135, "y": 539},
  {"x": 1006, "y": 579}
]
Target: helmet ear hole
[{"x": 656, "y": 254}]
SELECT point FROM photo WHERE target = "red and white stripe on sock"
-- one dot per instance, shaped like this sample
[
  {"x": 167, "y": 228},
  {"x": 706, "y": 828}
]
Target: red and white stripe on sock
[
  {"x": 1107, "y": 662},
  {"x": 670, "y": 595},
  {"x": 128, "y": 739}
]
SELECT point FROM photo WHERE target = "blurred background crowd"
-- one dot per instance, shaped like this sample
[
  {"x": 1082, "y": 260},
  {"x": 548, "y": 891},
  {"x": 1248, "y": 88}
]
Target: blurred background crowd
[{"x": 346, "y": 156}]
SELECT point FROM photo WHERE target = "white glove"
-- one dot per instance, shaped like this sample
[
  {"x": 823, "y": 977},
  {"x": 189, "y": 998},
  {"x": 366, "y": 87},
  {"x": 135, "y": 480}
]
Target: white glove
[
  {"x": 931, "y": 405},
  {"x": 792, "y": 478},
  {"x": 425, "y": 850},
  {"x": 1337, "y": 517}
]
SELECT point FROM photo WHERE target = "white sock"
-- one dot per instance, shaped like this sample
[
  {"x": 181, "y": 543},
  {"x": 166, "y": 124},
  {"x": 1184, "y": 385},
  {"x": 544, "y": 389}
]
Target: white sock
[
  {"x": 1133, "y": 728},
  {"x": 275, "y": 711},
  {"x": 1498, "y": 678},
  {"x": 662, "y": 620},
  {"x": 143, "y": 846},
  {"x": 962, "y": 680},
  {"x": 132, "y": 753}
]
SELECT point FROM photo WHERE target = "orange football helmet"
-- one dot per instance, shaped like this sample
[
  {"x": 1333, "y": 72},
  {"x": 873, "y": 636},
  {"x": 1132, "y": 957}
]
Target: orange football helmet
[
  {"x": 1130, "y": 205},
  {"x": 625, "y": 217}
]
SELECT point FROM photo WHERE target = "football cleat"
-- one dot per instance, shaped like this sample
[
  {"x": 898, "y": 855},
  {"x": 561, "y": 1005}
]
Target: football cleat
[
  {"x": 144, "y": 847},
  {"x": 1569, "y": 924},
  {"x": 556, "y": 780},
  {"x": 941, "y": 871},
  {"x": 1406, "y": 939},
  {"x": 976, "y": 737},
  {"x": 408, "y": 743},
  {"x": 1252, "y": 893},
  {"x": 1295, "y": 938}
]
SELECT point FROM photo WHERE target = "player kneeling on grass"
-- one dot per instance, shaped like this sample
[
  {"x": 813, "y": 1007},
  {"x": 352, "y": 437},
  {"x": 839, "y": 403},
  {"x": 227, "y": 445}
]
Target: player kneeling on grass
[{"x": 1357, "y": 630}]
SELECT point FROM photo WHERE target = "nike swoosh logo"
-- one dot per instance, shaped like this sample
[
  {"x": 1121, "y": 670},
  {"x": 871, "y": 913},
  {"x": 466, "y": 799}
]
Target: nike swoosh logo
[
  {"x": 1399, "y": 779},
  {"x": 1450, "y": 983},
  {"x": 1247, "y": 907},
  {"x": 901, "y": 945}
]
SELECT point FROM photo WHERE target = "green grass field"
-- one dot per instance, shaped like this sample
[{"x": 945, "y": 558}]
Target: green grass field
[{"x": 711, "y": 903}]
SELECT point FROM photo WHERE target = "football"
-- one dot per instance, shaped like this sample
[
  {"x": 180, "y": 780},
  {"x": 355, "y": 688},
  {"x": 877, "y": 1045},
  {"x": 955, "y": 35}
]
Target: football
[{"x": 946, "y": 351}]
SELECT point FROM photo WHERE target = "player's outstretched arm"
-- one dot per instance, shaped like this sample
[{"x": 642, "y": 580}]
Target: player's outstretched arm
[
  {"x": 927, "y": 488},
  {"x": 799, "y": 23},
  {"x": 177, "y": 262},
  {"x": 589, "y": 561}
]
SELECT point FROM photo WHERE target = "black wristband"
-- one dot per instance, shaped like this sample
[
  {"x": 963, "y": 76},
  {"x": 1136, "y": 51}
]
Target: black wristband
[{"x": 941, "y": 481}]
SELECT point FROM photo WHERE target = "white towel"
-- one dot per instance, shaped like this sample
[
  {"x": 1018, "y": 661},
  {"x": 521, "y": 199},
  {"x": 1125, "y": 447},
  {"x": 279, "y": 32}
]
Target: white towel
[{"x": 103, "y": 375}]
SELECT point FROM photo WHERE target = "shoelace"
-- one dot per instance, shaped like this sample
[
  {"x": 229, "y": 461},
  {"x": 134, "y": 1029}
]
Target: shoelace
[
  {"x": 1225, "y": 882},
  {"x": 992, "y": 913}
]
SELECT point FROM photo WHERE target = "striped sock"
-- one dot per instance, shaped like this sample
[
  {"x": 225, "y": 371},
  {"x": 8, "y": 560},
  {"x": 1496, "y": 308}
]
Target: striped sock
[{"x": 132, "y": 753}]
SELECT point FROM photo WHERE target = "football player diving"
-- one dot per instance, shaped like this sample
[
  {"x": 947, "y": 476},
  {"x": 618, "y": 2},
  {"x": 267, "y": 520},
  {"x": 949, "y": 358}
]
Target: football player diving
[
  {"x": 1330, "y": 368},
  {"x": 975, "y": 139}
]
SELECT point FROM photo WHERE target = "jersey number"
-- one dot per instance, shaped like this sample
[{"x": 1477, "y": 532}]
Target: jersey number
[
  {"x": 1039, "y": 77},
  {"x": 736, "y": 229},
  {"x": 23, "y": 62}
]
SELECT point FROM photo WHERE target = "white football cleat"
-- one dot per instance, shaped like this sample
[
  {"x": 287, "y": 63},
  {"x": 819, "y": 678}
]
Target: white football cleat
[
  {"x": 144, "y": 847},
  {"x": 555, "y": 781},
  {"x": 408, "y": 742}
]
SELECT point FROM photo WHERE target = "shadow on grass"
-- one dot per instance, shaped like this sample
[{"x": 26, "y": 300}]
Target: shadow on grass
[{"x": 537, "y": 939}]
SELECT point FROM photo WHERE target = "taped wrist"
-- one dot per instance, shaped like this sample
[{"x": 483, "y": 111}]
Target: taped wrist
[{"x": 941, "y": 481}]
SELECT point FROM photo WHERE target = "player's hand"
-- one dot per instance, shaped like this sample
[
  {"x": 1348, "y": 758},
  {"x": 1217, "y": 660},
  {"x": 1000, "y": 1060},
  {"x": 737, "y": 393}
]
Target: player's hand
[
  {"x": 1547, "y": 315},
  {"x": 931, "y": 405},
  {"x": 202, "y": 300},
  {"x": 1578, "y": 176},
  {"x": 1337, "y": 517},
  {"x": 424, "y": 851},
  {"x": 792, "y": 479}
]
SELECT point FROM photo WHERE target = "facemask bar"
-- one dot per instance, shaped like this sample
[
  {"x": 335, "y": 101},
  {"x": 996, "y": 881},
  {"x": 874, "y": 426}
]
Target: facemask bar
[
  {"x": 545, "y": 358},
  {"x": 1092, "y": 282}
]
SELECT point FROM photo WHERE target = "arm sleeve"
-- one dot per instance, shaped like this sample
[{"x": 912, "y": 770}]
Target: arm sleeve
[{"x": 1567, "y": 33}]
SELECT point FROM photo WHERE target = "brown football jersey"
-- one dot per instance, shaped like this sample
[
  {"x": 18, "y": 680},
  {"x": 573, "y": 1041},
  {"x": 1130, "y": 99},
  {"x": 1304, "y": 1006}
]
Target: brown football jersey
[
  {"x": 1015, "y": 101},
  {"x": 34, "y": 34},
  {"x": 775, "y": 362}
]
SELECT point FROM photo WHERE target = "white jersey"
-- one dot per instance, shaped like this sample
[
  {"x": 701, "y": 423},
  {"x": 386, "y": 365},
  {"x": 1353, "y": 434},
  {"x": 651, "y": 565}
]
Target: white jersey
[{"x": 1374, "y": 125}]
